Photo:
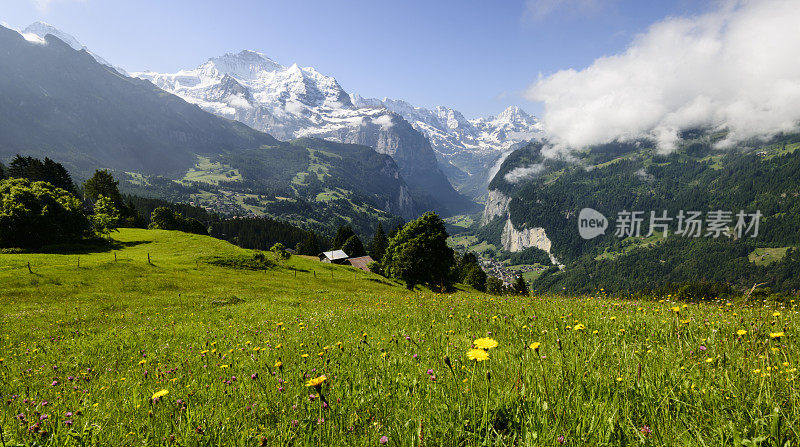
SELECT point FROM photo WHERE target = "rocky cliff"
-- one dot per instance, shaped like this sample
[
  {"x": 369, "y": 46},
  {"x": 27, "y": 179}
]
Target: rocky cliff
[
  {"x": 496, "y": 205},
  {"x": 518, "y": 240}
]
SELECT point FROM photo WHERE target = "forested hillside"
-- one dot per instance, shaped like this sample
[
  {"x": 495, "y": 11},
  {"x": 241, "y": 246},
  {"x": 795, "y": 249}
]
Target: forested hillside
[{"x": 758, "y": 176}]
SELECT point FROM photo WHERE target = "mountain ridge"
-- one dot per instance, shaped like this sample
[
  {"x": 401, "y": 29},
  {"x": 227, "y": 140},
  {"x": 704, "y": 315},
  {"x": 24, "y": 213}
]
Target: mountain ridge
[{"x": 61, "y": 103}]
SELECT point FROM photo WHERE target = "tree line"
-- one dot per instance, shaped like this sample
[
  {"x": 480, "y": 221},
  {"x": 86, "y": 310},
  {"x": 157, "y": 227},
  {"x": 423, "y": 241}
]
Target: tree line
[{"x": 34, "y": 213}]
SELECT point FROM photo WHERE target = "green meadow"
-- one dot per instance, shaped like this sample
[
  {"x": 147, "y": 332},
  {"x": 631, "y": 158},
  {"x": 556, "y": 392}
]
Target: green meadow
[{"x": 201, "y": 346}]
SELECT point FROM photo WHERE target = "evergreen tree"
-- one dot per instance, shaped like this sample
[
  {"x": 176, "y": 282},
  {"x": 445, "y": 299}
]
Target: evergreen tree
[
  {"x": 342, "y": 235},
  {"x": 36, "y": 170},
  {"x": 103, "y": 184},
  {"x": 163, "y": 218},
  {"x": 475, "y": 277},
  {"x": 2, "y": 171},
  {"x": 418, "y": 254},
  {"x": 495, "y": 286},
  {"x": 353, "y": 247},
  {"x": 377, "y": 247},
  {"x": 520, "y": 286},
  {"x": 396, "y": 229},
  {"x": 309, "y": 245}
]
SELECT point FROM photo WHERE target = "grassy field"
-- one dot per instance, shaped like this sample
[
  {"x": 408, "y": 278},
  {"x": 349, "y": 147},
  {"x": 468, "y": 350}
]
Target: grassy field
[
  {"x": 183, "y": 352},
  {"x": 764, "y": 256}
]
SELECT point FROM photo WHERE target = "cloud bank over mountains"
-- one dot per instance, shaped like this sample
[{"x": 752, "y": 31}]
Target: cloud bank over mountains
[{"x": 735, "y": 68}]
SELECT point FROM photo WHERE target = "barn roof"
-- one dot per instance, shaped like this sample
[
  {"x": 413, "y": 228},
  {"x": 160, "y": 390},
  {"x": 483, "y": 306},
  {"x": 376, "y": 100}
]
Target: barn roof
[
  {"x": 334, "y": 255},
  {"x": 361, "y": 262}
]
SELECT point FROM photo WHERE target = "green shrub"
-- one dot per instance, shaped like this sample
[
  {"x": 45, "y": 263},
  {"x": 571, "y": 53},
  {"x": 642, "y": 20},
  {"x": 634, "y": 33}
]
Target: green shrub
[{"x": 33, "y": 214}]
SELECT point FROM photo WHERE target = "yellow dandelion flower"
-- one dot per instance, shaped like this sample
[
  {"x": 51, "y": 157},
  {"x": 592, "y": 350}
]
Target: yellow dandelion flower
[
  {"x": 159, "y": 394},
  {"x": 709, "y": 360},
  {"x": 579, "y": 327},
  {"x": 741, "y": 332},
  {"x": 479, "y": 355},
  {"x": 776, "y": 314},
  {"x": 317, "y": 381},
  {"x": 535, "y": 345},
  {"x": 676, "y": 309},
  {"x": 485, "y": 343},
  {"x": 143, "y": 362},
  {"x": 776, "y": 334},
  {"x": 278, "y": 364}
]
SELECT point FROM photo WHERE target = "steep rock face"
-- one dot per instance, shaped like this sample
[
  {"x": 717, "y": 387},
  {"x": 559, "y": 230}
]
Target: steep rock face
[
  {"x": 466, "y": 149},
  {"x": 61, "y": 103},
  {"x": 496, "y": 205},
  {"x": 294, "y": 102},
  {"x": 518, "y": 240}
]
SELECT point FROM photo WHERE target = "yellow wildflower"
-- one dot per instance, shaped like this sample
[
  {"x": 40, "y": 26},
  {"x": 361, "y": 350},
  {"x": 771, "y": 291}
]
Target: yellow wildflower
[
  {"x": 485, "y": 343},
  {"x": 479, "y": 355},
  {"x": 317, "y": 381}
]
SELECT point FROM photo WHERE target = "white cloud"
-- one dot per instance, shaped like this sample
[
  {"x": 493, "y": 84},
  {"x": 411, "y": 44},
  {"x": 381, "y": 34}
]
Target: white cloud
[
  {"x": 385, "y": 121},
  {"x": 239, "y": 102},
  {"x": 734, "y": 68},
  {"x": 294, "y": 107},
  {"x": 524, "y": 172}
]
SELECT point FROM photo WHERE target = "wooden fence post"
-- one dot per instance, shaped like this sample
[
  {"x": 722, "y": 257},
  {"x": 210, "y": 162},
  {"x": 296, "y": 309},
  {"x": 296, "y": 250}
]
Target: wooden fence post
[{"x": 148, "y": 258}]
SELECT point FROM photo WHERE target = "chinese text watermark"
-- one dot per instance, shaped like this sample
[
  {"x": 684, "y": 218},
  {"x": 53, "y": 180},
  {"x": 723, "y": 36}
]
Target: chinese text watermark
[{"x": 715, "y": 223}]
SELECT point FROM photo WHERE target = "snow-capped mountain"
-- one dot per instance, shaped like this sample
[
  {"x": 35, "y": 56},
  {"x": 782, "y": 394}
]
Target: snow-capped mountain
[
  {"x": 41, "y": 29},
  {"x": 467, "y": 149},
  {"x": 295, "y": 102},
  {"x": 450, "y": 132}
]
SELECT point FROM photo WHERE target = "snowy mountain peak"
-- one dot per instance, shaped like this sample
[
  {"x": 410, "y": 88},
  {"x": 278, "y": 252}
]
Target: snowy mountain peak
[
  {"x": 246, "y": 65},
  {"x": 514, "y": 114},
  {"x": 42, "y": 29},
  {"x": 293, "y": 101},
  {"x": 452, "y": 118}
]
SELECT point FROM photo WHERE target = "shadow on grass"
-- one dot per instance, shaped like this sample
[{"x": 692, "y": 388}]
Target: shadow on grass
[
  {"x": 383, "y": 281},
  {"x": 86, "y": 247}
]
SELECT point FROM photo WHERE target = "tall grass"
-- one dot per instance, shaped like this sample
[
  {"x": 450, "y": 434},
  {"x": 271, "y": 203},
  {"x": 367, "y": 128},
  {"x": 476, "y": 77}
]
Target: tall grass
[{"x": 85, "y": 349}]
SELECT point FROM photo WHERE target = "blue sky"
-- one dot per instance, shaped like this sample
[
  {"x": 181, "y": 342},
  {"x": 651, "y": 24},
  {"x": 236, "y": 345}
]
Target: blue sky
[{"x": 475, "y": 56}]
